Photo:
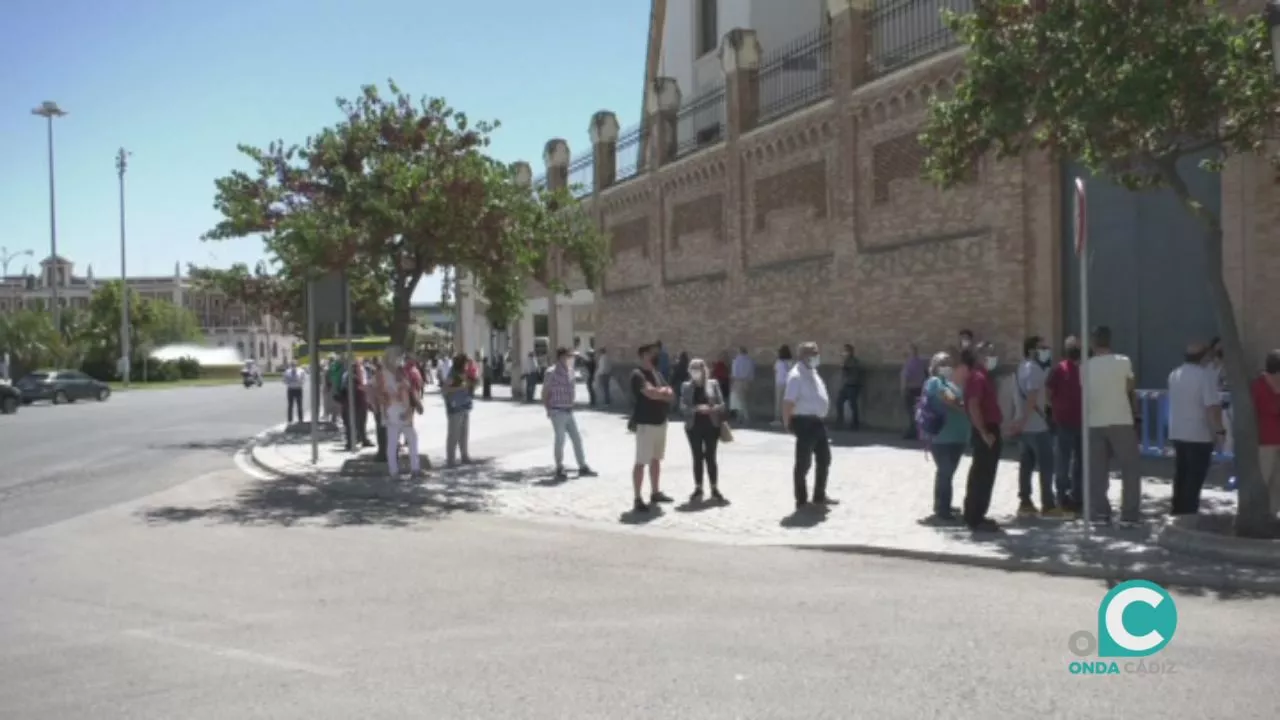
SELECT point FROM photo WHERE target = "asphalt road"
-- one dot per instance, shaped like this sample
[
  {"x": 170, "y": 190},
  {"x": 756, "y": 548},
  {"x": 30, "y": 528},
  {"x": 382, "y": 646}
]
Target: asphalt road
[
  {"x": 207, "y": 615},
  {"x": 58, "y": 462}
]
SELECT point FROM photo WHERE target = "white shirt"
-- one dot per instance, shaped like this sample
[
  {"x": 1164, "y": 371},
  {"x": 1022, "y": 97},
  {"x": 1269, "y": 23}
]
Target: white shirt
[
  {"x": 744, "y": 368},
  {"x": 395, "y": 407},
  {"x": 603, "y": 366},
  {"x": 295, "y": 378},
  {"x": 1109, "y": 377},
  {"x": 530, "y": 365},
  {"x": 808, "y": 391},
  {"x": 782, "y": 371},
  {"x": 1192, "y": 391}
]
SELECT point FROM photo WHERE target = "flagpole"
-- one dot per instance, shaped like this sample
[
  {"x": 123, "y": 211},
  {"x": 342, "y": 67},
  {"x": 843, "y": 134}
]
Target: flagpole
[{"x": 1082, "y": 251}]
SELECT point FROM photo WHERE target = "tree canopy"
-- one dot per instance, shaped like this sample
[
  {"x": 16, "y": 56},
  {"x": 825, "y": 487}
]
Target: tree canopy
[
  {"x": 396, "y": 189},
  {"x": 1128, "y": 88}
]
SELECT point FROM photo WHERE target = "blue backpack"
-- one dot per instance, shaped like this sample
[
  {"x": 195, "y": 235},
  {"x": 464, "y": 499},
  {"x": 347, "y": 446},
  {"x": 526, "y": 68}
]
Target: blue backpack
[{"x": 930, "y": 417}]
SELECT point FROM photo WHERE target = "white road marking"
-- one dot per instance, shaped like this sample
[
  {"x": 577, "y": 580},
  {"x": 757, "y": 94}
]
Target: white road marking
[{"x": 236, "y": 654}]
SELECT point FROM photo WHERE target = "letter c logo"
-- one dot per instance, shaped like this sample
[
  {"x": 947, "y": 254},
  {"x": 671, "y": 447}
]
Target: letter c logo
[{"x": 1136, "y": 619}]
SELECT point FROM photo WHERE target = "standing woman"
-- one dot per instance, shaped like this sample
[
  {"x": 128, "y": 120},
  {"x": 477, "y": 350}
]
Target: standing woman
[
  {"x": 781, "y": 370},
  {"x": 398, "y": 404},
  {"x": 944, "y": 394},
  {"x": 704, "y": 409},
  {"x": 458, "y": 389}
]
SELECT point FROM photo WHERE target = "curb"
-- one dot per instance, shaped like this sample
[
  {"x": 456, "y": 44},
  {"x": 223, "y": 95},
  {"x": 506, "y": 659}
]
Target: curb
[
  {"x": 1226, "y": 583},
  {"x": 1181, "y": 535}
]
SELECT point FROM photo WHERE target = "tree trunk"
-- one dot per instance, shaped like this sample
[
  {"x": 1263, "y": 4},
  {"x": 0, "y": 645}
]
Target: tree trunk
[
  {"x": 402, "y": 318},
  {"x": 1253, "y": 511}
]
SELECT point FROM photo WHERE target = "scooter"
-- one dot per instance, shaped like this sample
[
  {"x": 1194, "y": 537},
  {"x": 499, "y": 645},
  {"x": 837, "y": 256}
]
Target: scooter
[{"x": 251, "y": 379}]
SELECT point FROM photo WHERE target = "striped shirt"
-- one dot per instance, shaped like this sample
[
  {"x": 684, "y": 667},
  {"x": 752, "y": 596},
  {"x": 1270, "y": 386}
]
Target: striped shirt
[{"x": 560, "y": 388}]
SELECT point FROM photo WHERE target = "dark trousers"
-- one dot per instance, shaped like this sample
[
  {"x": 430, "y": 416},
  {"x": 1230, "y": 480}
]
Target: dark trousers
[
  {"x": 849, "y": 394},
  {"x": 530, "y": 386},
  {"x": 1191, "y": 461},
  {"x": 813, "y": 448},
  {"x": 982, "y": 476},
  {"x": 488, "y": 388},
  {"x": 703, "y": 443},
  {"x": 380, "y": 430},
  {"x": 361, "y": 435},
  {"x": 1036, "y": 456},
  {"x": 910, "y": 399},
  {"x": 1068, "y": 470},
  {"x": 293, "y": 397},
  {"x": 946, "y": 460},
  {"x": 591, "y": 388}
]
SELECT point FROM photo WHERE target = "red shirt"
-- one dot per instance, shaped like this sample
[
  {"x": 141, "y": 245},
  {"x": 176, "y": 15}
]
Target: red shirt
[
  {"x": 1267, "y": 404},
  {"x": 983, "y": 390},
  {"x": 415, "y": 377},
  {"x": 1064, "y": 394},
  {"x": 720, "y": 372}
]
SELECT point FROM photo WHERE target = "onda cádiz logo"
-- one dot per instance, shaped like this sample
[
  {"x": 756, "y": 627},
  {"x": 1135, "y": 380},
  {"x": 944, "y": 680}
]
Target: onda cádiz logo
[{"x": 1136, "y": 620}]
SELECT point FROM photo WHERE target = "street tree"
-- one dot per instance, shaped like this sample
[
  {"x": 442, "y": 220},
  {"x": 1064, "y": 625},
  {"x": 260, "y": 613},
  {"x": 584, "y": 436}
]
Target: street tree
[
  {"x": 1129, "y": 88},
  {"x": 397, "y": 189}
]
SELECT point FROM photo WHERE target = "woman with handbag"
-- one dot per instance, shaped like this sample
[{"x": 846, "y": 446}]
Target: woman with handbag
[{"x": 703, "y": 406}]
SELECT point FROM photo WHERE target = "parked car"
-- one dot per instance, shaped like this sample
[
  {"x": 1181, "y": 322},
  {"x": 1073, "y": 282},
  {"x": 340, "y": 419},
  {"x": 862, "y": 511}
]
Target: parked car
[
  {"x": 61, "y": 386},
  {"x": 10, "y": 398}
]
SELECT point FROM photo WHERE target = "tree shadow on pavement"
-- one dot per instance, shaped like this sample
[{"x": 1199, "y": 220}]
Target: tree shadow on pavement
[
  {"x": 230, "y": 446},
  {"x": 337, "y": 500},
  {"x": 1123, "y": 552}
]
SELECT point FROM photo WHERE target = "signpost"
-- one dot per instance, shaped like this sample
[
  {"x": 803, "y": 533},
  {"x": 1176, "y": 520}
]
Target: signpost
[
  {"x": 326, "y": 296},
  {"x": 315, "y": 371},
  {"x": 1082, "y": 250}
]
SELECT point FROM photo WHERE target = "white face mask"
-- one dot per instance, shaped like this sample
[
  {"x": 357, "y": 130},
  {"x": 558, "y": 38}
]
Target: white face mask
[
  {"x": 1044, "y": 356},
  {"x": 992, "y": 362},
  {"x": 815, "y": 361},
  {"x": 696, "y": 375},
  {"x": 945, "y": 372}
]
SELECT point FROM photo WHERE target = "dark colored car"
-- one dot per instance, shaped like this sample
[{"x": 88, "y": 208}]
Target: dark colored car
[
  {"x": 10, "y": 399},
  {"x": 61, "y": 386}
]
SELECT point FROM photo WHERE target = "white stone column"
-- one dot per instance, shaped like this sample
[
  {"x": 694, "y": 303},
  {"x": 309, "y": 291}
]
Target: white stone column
[
  {"x": 556, "y": 156},
  {"x": 521, "y": 334},
  {"x": 468, "y": 340},
  {"x": 562, "y": 324}
]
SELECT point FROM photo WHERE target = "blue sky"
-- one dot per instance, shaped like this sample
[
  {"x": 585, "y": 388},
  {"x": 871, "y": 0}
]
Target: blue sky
[{"x": 179, "y": 84}]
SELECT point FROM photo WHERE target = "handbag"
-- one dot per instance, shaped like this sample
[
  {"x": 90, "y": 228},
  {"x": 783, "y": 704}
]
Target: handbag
[{"x": 726, "y": 433}]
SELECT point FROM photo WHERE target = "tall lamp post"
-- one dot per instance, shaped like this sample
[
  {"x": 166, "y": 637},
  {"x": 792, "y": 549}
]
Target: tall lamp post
[
  {"x": 7, "y": 257},
  {"x": 126, "y": 358},
  {"x": 50, "y": 110}
]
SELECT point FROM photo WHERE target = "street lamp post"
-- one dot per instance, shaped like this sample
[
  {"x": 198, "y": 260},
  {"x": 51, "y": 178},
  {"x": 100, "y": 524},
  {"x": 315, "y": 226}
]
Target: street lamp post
[
  {"x": 7, "y": 257},
  {"x": 1273, "y": 23},
  {"x": 126, "y": 362},
  {"x": 50, "y": 110}
]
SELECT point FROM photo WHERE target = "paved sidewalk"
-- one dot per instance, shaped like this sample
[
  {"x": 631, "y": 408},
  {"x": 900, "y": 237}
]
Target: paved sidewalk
[{"x": 886, "y": 492}]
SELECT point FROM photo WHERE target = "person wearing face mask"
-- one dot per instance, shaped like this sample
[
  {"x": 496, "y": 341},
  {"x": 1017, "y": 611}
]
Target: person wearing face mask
[
  {"x": 704, "y": 411},
  {"x": 1266, "y": 403},
  {"x": 652, "y": 397},
  {"x": 1112, "y": 405},
  {"x": 944, "y": 390},
  {"x": 805, "y": 404},
  {"x": 1031, "y": 426},
  {"x": 1195, "y": 427},
  {"x": 1063, "y": 387},
  {"x": 559, "y": 388},
  {"x": 983, "y": 406}
]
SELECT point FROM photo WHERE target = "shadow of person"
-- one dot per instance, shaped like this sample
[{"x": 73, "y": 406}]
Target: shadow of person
[
  {"x": 634, "y": 517},
  {"x": 805, "y": 517}
]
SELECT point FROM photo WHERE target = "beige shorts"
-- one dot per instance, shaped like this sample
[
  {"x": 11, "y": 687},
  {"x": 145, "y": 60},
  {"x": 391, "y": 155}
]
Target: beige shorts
[{"x": 651, "y": 443}]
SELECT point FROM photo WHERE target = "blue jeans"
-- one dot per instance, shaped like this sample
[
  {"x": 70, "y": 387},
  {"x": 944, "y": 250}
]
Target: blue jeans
[
  {"x": 946, "y": 456},
  {"x": 1069, "y": 467},
  {"x": 564, "y": 424},
  {"x": 530, "y": 386},
  {"x": 1037, "y": 455}
]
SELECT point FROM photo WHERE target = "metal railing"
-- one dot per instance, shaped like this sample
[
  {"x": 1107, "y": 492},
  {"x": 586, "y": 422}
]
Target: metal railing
[
  {"x": 1153, "y": 426},
  {"x": 627, "y": 157},
  {"x": 906, "y": 31},
  {"x": 700, "y": 122},
  {"x": 795, "y": 75},
  {"x": 582, "y": 175}
]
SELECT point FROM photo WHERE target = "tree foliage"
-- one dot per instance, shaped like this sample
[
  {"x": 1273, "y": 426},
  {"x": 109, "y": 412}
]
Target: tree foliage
[
  {"x": 396, "y": 189},
  {"x": 1129, "y": 88}
]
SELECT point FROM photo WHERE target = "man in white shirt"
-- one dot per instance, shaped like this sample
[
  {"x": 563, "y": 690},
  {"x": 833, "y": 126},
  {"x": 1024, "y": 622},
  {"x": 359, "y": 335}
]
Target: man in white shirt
[
  {"x": 530, "y": 374},
  {"x": 1195, "y": 427},
  {"x": 1111, "y": 433},
  {"x": 604, "y": 376},
  {"x": 805, "y": 404},
  {"x": 742, "y": 372},
  {"x": 295, "y": 379}
]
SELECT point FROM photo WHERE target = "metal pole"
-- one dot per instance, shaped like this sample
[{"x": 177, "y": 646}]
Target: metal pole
[
  {"x": 126, "y": 357},
  {"x": 351, "y": 361},
  {"x": 1082, "y": 249},
  {"x": 53, "y": 231},
  {"x": 315, "y": 371}
]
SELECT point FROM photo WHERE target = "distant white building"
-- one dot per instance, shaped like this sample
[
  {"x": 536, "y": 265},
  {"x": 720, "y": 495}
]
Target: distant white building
[{"x": 226, "y": 323}]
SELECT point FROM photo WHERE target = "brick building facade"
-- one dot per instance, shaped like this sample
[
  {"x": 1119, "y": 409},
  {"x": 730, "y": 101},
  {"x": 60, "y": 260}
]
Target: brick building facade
[{"x": 817, "y": 226}]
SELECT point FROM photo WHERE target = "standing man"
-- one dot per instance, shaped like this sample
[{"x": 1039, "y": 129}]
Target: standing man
[
  {"x": 590, "y": 367},
  {"x": 1266, "y": 403},
  {"x": 1063, "y": 387},
  {"x": 742, "y": 372},
  {"x": 910, "y": 382},
  {"x": 604, "y": 375},
  {"x": 983, "y": 405},
  {"x": 1195, "y": 427},
  {"x": 805, "y": 404},
  {"x": 530, "y": 375},
  {"x": 850, "y": 388},
  {"x": 653, "y": 397},
  {"x": 295, "y": 379},
  {"x": 1111, "y": 434},
  {"x": 1032, "y": 428},
  {"x": 558, "y": 390}
]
